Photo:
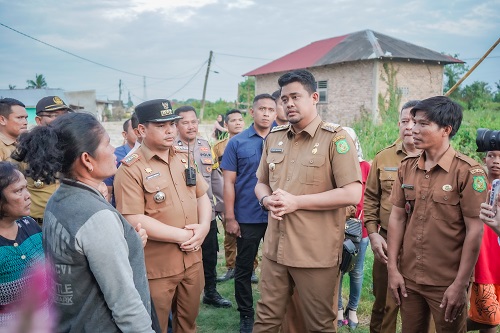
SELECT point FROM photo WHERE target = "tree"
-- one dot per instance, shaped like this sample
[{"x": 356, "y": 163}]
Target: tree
[
  {"x": 477, "y": 95},
  {"x": 38, "y": 83},
  {"x": 453, "y": 73},
  {"x": 12, "y": 87},
  {"x": 246, "y": 92},
  {"x": 497, "y": 93}
]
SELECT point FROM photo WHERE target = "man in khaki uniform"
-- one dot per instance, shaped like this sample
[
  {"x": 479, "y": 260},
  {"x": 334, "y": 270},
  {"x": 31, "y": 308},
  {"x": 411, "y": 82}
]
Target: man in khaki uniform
[
  {"x": 234, "y": 124},
  {"x": 434, "y": 227},
  {"x": 175, "y": 211},
  {"x": 13, "y": 122},
  {"x": 377, "y": 208},
  {"x": 47, "y": 110},
  {"x": 199, "y": 148},
  {"x": 308, "y": 174}
]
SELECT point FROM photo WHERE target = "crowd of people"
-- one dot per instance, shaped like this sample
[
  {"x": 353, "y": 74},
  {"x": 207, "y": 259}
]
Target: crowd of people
[{"x": 131, "y": 233}]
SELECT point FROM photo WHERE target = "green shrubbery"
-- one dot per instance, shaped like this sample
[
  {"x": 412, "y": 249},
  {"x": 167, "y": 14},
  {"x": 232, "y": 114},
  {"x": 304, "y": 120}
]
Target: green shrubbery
[{"x": 375, "y": 137}]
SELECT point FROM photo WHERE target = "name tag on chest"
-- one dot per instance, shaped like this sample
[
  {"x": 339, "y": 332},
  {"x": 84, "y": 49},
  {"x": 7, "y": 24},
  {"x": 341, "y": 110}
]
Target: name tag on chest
[{"x": 276, "y": 150}]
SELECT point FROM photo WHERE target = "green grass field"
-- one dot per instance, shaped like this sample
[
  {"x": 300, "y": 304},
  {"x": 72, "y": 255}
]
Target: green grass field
[{"x": 212, "y": 320}]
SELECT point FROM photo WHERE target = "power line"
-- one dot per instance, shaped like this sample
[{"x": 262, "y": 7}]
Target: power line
[
  {"x": 240, "y": 56},
  {"x": 83, "y": 58},
  {"x": 191, "y": 79}
]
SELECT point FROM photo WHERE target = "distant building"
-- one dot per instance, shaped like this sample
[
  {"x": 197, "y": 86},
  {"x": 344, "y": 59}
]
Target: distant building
[
  {"x": 81, "y": 101},
  {"x": 353, "y": 73}
]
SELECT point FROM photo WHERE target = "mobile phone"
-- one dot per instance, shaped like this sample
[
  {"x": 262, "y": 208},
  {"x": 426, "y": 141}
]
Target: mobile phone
[{"x": 495, "y": 189}]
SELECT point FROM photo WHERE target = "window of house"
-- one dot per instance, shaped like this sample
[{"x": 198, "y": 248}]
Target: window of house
[
  {"x": 322, "y": 88},
  {"x": 404, "y": 91}
]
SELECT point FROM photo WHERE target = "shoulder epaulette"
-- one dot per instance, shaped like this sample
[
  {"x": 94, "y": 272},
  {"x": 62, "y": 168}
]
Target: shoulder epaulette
[
  {"x": 472, "y": 162},
  {"x": 331, "y": 127},
  {"x": 131, "y": 159},
  {"x": 386, "y": 147},
  {"x": 280, "y": 128}
]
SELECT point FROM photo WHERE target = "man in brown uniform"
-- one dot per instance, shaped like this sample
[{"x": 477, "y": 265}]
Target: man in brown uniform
[
  {"x": 434, "y": 227},
  {"x": 175, "y": 214},
  {"x": 13, "y": 122},
  {"x": 308, "y": 174},
  {"x": 377, "y": 210},
  {"x": 47, "y": 110}
]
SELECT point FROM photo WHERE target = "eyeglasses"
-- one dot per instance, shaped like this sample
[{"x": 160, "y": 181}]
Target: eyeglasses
[{"x": 52, "y": 115}]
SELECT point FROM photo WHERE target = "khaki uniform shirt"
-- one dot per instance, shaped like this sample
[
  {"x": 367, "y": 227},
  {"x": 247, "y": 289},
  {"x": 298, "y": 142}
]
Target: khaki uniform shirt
[
  {"x": 204, "y": 160},
  {"x": 7, "y": 146},
  {"x": 40, "y": 195},
  {"x": 218, "y": 150},
  {"x": 436, "y": 203},
  {"x": 319, "y": 158},
  {"x": 382, "y": 175},
  {"x": 141, "y": 176}
]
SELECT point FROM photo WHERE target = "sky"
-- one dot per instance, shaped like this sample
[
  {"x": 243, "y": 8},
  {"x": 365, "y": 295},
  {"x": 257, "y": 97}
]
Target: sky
[{"x": 169, "y": 41}]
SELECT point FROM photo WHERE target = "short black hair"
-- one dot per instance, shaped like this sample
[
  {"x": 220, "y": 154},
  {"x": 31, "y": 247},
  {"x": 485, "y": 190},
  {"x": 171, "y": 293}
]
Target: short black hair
[
  {"x": 276, "y": 95},
  {"x": 442, "y": 111},
  {"x": 300, "y": 75},
  {"x": 125, "y": 125},
  {"x": 8, "y": 176},
  {"x": 6, "y": 105},
  {"x": 230, "y": 112},
  {"x": 134, "y": 121},
  {"x": 185, "y": 108},
  {"x": 263, "y": 96},
  {"x": 50, "y": 150}
]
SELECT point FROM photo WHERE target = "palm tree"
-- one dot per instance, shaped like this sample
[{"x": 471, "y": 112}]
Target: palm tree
[
  {"x": 12, "y": 87},
  {"x": 38, "y": 83}
]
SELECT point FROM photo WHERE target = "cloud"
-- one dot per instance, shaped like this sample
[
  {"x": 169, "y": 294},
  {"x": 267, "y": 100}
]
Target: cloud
[
  {"x": 171, "y": 8},
  {"x": 240, "y": 4}
]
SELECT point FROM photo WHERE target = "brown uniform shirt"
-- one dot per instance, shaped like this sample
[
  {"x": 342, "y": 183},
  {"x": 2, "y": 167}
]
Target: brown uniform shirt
[
  {"x": 7, "y": 146},
  {"x": 318, "y": 159},
  {"x": 382, "y": 175},
  {"x": 40, "y": 195},
  {"x": 436, "y": 203},
  {"x": 218, "y": 150},
  {"x": 141, "y": 176}
]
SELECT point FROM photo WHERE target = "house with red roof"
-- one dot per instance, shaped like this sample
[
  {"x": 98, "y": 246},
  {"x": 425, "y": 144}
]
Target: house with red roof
[{"x": 357, "y": 73}]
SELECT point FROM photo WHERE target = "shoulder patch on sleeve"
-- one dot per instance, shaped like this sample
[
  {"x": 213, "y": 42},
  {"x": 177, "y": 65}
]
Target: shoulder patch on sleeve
[
  {"x": 280, "y": 128},
  {"x": 131, "y": 159},
  {"x": 477, "y": 171},
  {"x": 331, "y": 127},
  {"x": 479, "y": 183}
]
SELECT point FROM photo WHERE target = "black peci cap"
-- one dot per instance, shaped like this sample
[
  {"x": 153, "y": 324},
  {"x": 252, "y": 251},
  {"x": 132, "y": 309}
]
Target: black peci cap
[
  {"x": 156, "y": 111},
  {"x": 51, "y": 103}
]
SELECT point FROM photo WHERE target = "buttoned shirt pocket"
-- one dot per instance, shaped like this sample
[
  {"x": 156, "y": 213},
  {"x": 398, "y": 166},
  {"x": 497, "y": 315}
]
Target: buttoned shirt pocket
[
  {"x": 387, "y": 179},
  {"x": 311, "y": 170},
  {"x": 154, "y": 189},
  {"x": 275, "y": 165},
  {"x": 446, "y": 206},
  {"x": 246, "y": 157}
]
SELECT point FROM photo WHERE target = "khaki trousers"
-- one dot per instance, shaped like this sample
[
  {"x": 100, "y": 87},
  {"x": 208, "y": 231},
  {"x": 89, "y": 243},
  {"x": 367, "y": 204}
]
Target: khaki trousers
[
  {"x": 316, "y": 287},
  {"x": 181, "y": 295}
]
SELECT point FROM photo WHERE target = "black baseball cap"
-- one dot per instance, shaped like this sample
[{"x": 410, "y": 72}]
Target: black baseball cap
[
  {"x": 155, "y": 111},
  {"x": 51, "y": 103}
]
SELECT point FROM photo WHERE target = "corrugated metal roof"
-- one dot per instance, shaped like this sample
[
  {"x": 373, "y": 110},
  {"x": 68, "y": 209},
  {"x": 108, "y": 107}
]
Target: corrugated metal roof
[{"x": 357, "y": 46}]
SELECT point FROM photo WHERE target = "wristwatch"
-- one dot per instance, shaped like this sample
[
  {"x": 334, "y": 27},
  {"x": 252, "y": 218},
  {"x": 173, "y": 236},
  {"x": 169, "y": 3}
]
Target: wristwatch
[{"x": 261, "y": 203}]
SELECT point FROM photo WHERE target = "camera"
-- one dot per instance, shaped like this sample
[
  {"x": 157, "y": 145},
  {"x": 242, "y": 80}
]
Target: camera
[{"x": 487, "y": 140}]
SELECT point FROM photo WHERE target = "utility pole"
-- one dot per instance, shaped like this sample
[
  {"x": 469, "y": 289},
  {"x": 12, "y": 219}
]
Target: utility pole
[
  {"x": 202, "y": 110},
  {"x": 120, "y": 92}
]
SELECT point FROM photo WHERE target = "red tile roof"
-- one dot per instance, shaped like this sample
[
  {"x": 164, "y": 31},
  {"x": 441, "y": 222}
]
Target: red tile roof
[{"x": 361, "y": 45}]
